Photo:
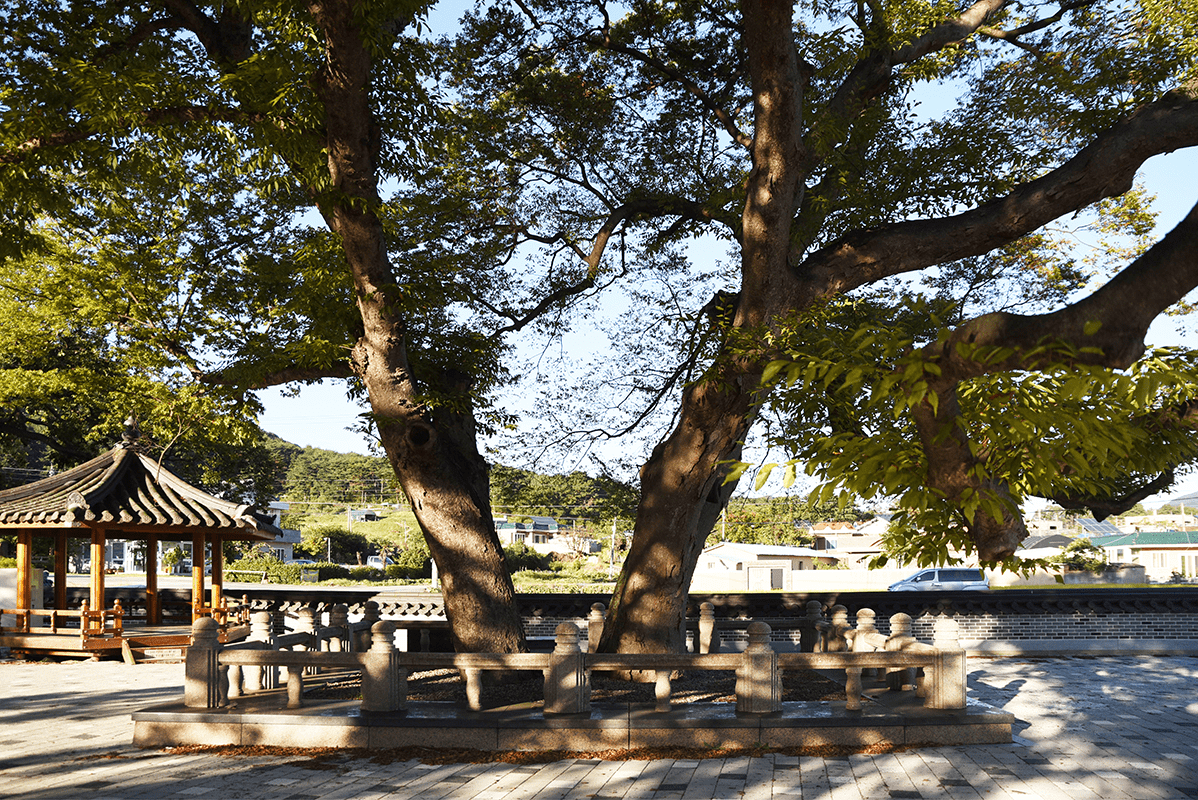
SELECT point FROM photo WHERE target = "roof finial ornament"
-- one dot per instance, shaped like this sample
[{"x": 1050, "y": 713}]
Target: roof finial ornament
[{"x": 131, "y": 433}]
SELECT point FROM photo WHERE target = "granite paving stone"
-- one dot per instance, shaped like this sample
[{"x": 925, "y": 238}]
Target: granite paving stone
[{"x": 1122, "y": 728}]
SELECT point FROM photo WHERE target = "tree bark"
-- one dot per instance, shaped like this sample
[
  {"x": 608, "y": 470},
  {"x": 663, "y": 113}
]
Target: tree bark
[
  {"x": 683, "y": 487},
  {"x": 682, "y": 484},
  {"x": 432, "y": 450}
]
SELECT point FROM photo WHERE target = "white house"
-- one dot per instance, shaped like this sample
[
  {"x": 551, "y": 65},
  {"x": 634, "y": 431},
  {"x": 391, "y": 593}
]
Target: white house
[
  {"x": 736, "y": 567},
  {"x": 1161, "y": 553},
  {"x": 851, "y": 543}
]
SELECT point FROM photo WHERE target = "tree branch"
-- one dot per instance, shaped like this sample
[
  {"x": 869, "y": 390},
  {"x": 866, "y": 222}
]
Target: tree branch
[
  {"x": 1103, "y": 507},
  {"x": 726, "y": 119},
  {"x": 1106, "y": 328},
  {"x": 153, "y": 116},
  {"x": 340, "y": 369},
  {"x": 1104, "y": 168},
  {"x": 623, "y": 214}
]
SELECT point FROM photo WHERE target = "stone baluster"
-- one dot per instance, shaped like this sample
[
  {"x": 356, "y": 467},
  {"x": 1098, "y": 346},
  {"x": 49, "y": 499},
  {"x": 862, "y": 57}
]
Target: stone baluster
[
  {"x": 567, "y": 685},
  {"x": 900, "y": 639},
  {"x": 709, "y": 632},
  {"x": 339, "y": 622},
  {"x": 474, "y": 688},
  {"x": 863, "y": 636},
  {"x": 305, "y": 622},
  {"x": 662, "y": 689},
  {"x": 370, "y": 615},
  {"x": 836, "y": 632},
  {"x": 948, "y": 684},
  {"x": 295, "y": 687},
  {"x": 758, "y": 682},
  {"x": 384, "y": 682},
  {"x": 595, "y": 622},
  {"x": 852, "y": 688},
  {"x": 258, "y": 678},
  {"x": 809, "y": 633},
  {"x": 202, "y": 685}
]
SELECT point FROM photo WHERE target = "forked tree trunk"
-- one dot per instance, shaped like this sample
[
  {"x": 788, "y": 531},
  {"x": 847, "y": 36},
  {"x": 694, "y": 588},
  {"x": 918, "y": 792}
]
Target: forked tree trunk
[
  {"x": 432, "y": 451},
  {"x": 682, "y": 485},
  {"x": 682, "y": 494}
]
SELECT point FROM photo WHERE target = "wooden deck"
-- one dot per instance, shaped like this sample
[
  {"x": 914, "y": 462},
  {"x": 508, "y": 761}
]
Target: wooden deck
[{"x": 133, "y": 644}]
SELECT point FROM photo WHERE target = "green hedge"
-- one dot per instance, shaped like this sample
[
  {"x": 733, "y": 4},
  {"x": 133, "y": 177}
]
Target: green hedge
[{"x": 276, "y": 571}]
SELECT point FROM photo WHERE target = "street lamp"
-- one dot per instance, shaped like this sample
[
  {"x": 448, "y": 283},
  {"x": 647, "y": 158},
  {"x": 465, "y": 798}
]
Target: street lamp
[{"x": 328, "y": 544}]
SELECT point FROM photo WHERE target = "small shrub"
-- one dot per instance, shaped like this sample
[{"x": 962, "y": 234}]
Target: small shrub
[
  {"x": 520, "y": 557},
  {"x": 327, "y": 571},
  {"x": 1081, "y": 555},
  {"x": 406, "y": 571},
  {"x": 365, "y": 574},
  {"x": 276, "y": 571}
]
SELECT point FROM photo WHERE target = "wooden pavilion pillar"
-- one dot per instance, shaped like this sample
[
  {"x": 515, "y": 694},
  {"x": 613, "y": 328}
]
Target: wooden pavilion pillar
[
  {"x": 197, "y": 574},
  {"x": 153, "y": 602},
  {"x": 24, "y": 572},
  {"x": 218, "y": 571},
  {"x": 60, "y": 569},
  {"x": 96, "y": 593}
]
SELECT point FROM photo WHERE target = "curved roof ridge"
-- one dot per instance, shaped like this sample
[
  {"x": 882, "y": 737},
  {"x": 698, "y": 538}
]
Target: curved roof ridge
[
  {"x": 126, "y": 486},
  {"x": 169, "y": 480}
]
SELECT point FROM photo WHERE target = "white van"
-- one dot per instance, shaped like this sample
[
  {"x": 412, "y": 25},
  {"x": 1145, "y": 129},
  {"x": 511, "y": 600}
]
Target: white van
[{"x": 946, "y": 579}]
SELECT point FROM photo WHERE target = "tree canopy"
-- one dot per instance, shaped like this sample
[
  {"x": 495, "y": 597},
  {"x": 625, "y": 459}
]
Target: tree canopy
[
  {"x": 893, "y": 294},
  {"x": 794, "y": 134}
]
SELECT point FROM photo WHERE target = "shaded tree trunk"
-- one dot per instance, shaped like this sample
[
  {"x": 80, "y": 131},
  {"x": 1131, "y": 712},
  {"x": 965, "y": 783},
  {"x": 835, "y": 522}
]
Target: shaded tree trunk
[
  {"x": 433, "y": 451},
  {"x": 683, "y": 487}
]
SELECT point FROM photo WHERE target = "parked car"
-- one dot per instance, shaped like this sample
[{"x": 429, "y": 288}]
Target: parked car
[
  {"x": 936, "y": 579},
  {"x": 378, "y": 562}
]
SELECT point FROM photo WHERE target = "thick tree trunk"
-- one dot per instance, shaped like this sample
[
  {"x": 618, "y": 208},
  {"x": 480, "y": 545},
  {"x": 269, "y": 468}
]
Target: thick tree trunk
[
  {"x": 682, "y": 494},
  {"x": 432, "y": 451},
  {"x": 682, "y": 486}
]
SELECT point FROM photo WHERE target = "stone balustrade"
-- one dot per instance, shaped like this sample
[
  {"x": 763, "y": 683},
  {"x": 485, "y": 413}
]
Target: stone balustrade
[{"x": 215, "y": 672}]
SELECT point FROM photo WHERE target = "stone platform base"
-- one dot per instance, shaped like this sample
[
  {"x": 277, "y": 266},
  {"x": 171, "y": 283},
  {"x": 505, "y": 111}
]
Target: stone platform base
[{"x": 262, "y": 721}]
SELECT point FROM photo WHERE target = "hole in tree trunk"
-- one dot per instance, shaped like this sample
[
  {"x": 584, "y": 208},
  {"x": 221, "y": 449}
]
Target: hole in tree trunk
[{"x": 420, "y": 435}]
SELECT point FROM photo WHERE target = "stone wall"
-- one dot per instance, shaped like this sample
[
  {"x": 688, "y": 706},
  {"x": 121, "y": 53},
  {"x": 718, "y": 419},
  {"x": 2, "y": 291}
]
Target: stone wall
[{"x": 1039, "y": 620}]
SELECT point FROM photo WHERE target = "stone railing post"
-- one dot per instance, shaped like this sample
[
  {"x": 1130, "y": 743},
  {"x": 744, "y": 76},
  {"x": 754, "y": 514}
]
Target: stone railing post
[
  {"x": 835, "y": 632},
  {"x": 947, "y": 689},
  {"x": 258, "y": 678},
  {"x": 709, "y": 633},
  {"x": 758, "y": 682},
  {"x": 567, "y": 685},
  {"x": 862, "y": 640},
  {"x": 370, "y": 615},
  {"x": 595, "y": 622},
  {"x": 305, "y": 622},
  {"x": 202, "y": 684},
  {"x": 809, "y": 634},
  {"x": 339, "y": 621},
  {"x": 901, "y": 638},
  {"x": 384, "y": 682}
]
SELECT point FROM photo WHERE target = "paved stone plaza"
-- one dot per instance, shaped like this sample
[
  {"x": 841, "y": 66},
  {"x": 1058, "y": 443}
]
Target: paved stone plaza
[{"x": 1108, "y": 728}]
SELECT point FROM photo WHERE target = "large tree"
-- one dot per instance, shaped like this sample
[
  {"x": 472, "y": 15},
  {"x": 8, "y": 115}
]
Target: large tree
[
  {"x": 224, "y": 121},
  {"x": 793, "y": 132}
]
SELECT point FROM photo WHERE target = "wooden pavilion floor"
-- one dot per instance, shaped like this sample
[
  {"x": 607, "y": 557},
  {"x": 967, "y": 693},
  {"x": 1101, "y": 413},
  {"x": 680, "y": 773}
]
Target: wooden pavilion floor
[{"x": 135, "y": 643}]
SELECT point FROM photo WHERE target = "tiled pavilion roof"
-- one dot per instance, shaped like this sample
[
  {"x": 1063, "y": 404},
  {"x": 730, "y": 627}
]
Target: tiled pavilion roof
[{"x": 125, "y": 489}]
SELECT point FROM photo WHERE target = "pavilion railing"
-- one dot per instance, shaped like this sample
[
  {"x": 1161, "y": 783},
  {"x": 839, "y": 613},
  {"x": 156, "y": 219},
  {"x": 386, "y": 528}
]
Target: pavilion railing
[{"x": 90, "y": 623}]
